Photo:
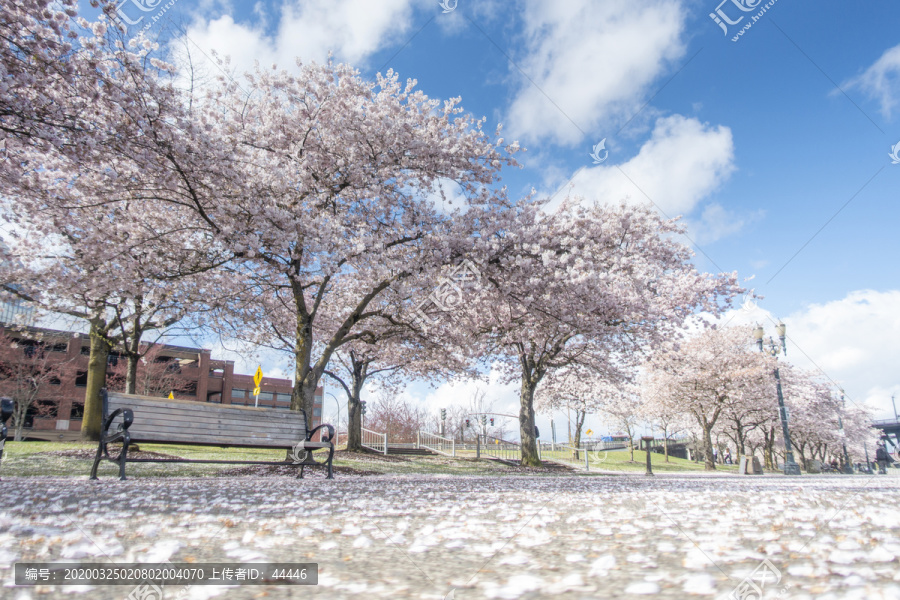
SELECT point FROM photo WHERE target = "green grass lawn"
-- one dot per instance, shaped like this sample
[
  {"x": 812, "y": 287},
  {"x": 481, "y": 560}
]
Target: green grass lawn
[
  {"x": 620, "y": 460},
  {"x": 73, "y": 459}
]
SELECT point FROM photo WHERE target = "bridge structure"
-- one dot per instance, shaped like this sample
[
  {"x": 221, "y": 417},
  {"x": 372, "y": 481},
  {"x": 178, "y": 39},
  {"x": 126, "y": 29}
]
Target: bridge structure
[{"x": 889, "y": 428}]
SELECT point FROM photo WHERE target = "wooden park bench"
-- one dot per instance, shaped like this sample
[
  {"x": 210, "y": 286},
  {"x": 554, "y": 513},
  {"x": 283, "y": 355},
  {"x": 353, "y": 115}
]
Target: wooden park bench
[{"x": 129, "y": 419}]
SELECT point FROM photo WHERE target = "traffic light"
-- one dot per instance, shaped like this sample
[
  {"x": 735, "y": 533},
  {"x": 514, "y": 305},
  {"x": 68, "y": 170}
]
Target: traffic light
[
  {"x": 483, "y": 420},
  {"x": 363, "y": 405},
  {"x": 443, "y": 414},
  {"x": 467, "y": 423},
  {"x": 492, "y": 421}
]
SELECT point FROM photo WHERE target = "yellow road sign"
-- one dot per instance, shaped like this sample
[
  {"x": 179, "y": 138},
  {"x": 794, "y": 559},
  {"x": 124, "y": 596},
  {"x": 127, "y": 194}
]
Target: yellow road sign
[
  {"x": 171, "y": 396},
  {"x": 589, "y": 431},
  {"x": 256, "y": 391},
  {"x": 258, "y": 377}
]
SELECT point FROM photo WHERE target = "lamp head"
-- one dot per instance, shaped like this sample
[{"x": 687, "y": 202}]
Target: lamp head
[
  {"x": 781, "y": 328},
  {"x": 758, "y": 334}
]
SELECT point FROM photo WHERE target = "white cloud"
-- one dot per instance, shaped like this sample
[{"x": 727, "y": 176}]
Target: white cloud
[
  {"x": 881, "y": 81},
  {"x": 716, "y": 222},
  {"x": 853, "y": 341},
  {"x": 596, "y": 60},
  {"x": 683, "y": 162},
  {"x": 351, "y": 29}
]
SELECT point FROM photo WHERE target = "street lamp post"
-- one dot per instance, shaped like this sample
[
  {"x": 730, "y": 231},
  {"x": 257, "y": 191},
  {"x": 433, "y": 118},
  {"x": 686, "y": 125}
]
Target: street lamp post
[
  {"x": 338, "y": 424},
  {"x": 790, "y": 467},
  {"x": 848, "y": 468}
]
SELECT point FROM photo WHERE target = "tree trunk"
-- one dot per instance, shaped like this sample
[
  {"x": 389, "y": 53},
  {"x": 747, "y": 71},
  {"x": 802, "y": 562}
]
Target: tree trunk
[
  {"x": 666, "y": 443},
  {"x": 19, "y": 420},
  {"x": 579, "y": 423},
  {"x": 800, "y": 450},
  {"x": 354, "y": 424},
  {"x": 96, "y": 379},
  {"x": 770, "y": 448},
  {"x": 133, "y": 353},
  {"x": 707, "y": 439},
  {"x": 20, "y": 411},
  {"x": 530, "y": 456},
  {"x": 354, "y": 408}
]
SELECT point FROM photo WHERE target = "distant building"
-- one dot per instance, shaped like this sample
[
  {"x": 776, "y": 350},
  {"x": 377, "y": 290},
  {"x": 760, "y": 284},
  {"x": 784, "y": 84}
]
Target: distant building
[
  {"x": 195, "y": 375},
  {"x": 14, "y": 310},
  {"x": 17, "y": 311}
]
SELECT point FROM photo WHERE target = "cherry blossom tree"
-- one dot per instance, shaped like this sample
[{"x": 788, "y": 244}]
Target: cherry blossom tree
[
  {"x": 590, "y": 285},
  {"x": 580, "y": 389},
  {"x": 662, "y": 410},
  {"x": 329, "y": 207},
  {"x": 89, "y": 125},
  {"x": 387, "y": 360},
  {"x": 294, "y": 182},
  {"x": 709, "y": 375}
]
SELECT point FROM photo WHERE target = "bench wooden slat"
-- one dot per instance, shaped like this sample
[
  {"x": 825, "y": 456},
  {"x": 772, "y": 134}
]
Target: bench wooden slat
[
  {"x": 249, "y": 413},
  {"x": 182, "y": 419}
]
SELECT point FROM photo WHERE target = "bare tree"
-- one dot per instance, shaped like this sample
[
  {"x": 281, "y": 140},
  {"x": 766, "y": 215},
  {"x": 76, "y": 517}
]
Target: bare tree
[
  {"x": 396, "y": 416},
  {"x": 27, "y": 372}
]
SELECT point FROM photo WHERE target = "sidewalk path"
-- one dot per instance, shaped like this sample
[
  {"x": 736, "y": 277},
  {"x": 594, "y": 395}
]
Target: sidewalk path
[{"x": 472, "y": 537}]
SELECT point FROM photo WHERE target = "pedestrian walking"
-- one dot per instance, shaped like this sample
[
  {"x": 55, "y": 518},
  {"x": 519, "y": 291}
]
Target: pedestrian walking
[
  {"x": 882, "y": 457},
  {"x": 727, "y": 458},
  {"x": 715, "y": 454}
]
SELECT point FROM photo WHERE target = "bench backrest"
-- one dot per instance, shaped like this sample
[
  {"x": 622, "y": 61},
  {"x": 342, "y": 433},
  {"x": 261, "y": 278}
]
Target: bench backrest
[{"x": 191, "y": 422}]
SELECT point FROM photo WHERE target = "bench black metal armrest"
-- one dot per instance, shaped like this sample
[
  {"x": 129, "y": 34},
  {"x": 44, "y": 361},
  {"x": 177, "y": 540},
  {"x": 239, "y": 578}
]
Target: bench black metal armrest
[
  {"x": 113, "y": 436},
  {"x": 106, "y": 436},
  {"x": 309, "y": 436}
]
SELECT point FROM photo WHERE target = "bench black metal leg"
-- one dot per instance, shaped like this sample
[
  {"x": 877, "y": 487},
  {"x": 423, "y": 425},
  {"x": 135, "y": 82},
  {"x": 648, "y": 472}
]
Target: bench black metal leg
[
  {"x": 330, "y": 459},
  {"x": 97, "y": 459},
  {"x": 300, "y": 476},
  {"x": 126, "y": 439}
]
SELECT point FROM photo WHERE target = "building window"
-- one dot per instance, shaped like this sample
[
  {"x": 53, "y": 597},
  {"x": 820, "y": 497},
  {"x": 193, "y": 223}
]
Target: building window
[
  {"x": 86, "y": 350},
  {"x": 236, "y": 393},
  {"x": 112, "y": 359},
  {"x": 317, "y": 412},
  {"x": 54, "y": 381},
  {"x": 266, "y": 396},
  {"x": 43, "y": 409},
  {"x": 283, "y": 397},
  {"x": 81, "y": 379},
  {"x": 31, "y": 348},
  {"x": 77, "y": 413},
  {"x": 61, "y": 347},
  {"x": 189, "y": 388}
]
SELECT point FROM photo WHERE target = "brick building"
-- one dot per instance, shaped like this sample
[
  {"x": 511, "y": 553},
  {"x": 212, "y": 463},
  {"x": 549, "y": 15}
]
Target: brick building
[{"x": 192, "y": 374}]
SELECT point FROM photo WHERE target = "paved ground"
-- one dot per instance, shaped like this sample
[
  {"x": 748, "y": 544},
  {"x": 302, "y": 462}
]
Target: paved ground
[{"x": 514, "y": 537}]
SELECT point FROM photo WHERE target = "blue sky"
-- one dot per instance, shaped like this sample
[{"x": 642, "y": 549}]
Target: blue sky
[{"x": 774, "y": 148}]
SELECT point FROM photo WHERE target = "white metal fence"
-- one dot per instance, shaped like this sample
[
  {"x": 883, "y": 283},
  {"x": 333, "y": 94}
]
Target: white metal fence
[
  {"x": 578, "y": 458},
  {"x": 502, "y": 449},
  {"x": 374, "y": 440},
  {"x": 436, "y": 443}
]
